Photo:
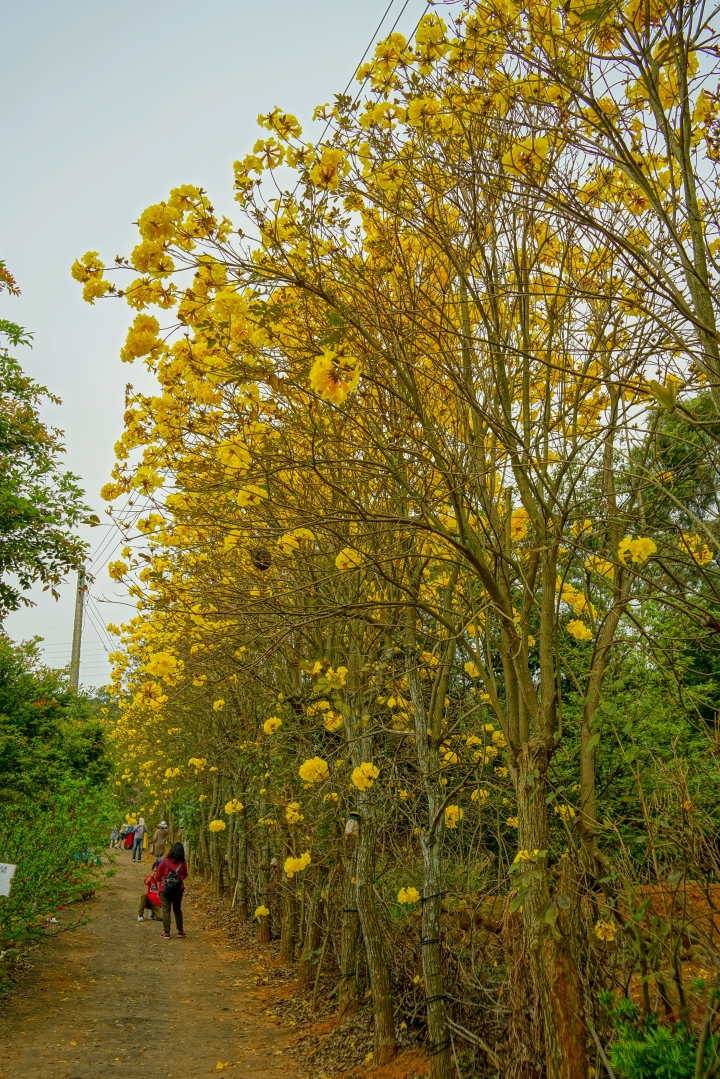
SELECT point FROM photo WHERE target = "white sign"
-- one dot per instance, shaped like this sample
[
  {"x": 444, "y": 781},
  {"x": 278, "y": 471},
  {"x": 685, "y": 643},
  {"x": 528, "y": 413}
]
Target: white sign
[{"x": 7, "y": 872}]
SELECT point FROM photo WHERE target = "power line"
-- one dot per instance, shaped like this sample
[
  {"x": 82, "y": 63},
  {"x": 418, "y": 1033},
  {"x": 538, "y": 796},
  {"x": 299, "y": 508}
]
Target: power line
[
  {"x": 46, "y": 618},
  {"x": 92, "y": 620},
  {"x": 60, "y": 649},
  {"x": 402, "y": 10},
  {"x": 97, "y": 614},
  {"x": 95, "y": 617},
  {"x": 123, "y": 538},
  {"x": 376, "y": 31},
  {"x": 114, "y": 524}
]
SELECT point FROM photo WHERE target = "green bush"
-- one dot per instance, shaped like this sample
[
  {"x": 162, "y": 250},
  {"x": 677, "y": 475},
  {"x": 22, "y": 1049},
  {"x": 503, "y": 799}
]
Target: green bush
[
  {"x": 657, "y": 1053},
  {"x": 55, "y": 804},
  {"x": 649, "y": 1050},
  {"x": 56, "y": 850},
  {"x": 49, "y": 734}
]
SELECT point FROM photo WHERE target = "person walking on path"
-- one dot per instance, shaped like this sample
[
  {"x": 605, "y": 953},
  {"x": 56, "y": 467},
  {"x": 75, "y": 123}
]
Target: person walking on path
[
  {"x": 158, "y": 840},
  {"x": 113, "y": 838},
  {"x": 170, "y": 876},
  {"x": 140, "y": 830}
]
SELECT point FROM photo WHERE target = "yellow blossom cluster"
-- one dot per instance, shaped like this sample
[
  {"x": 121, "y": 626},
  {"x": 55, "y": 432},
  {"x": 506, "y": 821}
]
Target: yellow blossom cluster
[
  {"x": 453, "y": 815},
  {"x": 637, "y": 548},
  {"x": 364, "y": 775},
  {"x": 314, "y": 770},
  {"x": 293, "y": 814},
  {"x": 296, "y": 865}
]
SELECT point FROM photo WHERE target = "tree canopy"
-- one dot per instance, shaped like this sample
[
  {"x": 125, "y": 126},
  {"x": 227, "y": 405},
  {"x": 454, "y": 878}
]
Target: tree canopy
[
  {"x": 40, "y": 505},
  {"x": 49, "y": 734}
]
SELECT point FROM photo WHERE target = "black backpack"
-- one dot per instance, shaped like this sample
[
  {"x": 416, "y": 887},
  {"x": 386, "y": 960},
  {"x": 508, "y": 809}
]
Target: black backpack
[{"x": 173, "y": 882}]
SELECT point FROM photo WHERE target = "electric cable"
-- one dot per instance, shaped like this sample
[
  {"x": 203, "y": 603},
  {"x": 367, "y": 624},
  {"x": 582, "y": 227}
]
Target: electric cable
[{"x": 99, "y": 616}]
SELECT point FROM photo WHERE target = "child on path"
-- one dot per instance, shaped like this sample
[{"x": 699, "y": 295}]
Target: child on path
[
  {"x": 170, "y": 875},
  {"x": 113, "y": 837},
  {"x": 138, "y": 836},
  {"x": 150, "y": 900}
]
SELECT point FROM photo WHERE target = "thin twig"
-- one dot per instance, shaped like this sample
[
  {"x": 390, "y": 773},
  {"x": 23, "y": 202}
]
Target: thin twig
[
  {"x": 601, "y": 1051},
  {"x": 457, "y": 1066},
  {"x": 469, "y": 1036}
]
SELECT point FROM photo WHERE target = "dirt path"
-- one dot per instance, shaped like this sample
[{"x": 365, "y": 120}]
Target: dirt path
[{"x": 112, "y": 998}]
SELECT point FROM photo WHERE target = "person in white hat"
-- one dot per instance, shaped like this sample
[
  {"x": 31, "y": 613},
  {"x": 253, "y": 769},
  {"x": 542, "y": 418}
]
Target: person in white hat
[{"x": 158, "y": 841}]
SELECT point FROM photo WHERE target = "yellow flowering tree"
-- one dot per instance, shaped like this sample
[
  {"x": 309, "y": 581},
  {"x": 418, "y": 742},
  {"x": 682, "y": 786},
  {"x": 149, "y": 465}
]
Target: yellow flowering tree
[{"x": 406, "y": 474}]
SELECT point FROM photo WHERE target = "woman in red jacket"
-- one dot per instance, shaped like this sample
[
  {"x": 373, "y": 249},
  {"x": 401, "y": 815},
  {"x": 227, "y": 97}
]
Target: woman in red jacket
[{"x": 170, "y": 876}]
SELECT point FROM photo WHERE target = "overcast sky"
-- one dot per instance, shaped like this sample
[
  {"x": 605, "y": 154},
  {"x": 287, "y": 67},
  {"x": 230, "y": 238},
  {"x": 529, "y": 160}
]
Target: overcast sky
[{"x": 105, "y": 107}]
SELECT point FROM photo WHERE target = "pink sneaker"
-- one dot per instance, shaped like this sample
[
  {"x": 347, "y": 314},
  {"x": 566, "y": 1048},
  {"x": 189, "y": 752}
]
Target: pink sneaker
[
  {"x": 181, "y": 934},
  {"x": 165, "y": 936}
]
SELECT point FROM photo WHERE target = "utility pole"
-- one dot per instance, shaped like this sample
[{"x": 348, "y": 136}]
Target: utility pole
[{"x": 77, "y": 629}]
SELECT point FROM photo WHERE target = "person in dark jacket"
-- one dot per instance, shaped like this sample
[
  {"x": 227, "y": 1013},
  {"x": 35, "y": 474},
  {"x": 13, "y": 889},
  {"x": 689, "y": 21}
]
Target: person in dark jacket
[{"x": 170, "y": 876}]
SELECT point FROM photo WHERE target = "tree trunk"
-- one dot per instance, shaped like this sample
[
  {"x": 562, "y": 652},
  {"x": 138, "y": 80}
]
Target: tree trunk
[
  {"x": 311, "y": 936},
  {"x": 556, "y": 977},
  {"x": 214, "y": 865},
  {"x": 287, "y": 925},
  {"x": 438, "y": 1032},
  {"x": 214, "y": 841},
  {"x": 348, "y": 1002},
  {"x": 525, "y": 1047},
  {"x": 301, "y": 922},
  {"x": 264, "y": 886},
  {"x": 231, "y": 859},
  {"x": 383, "y": 1018},
  {"x": 203, "y": 852},
  {"x": 241, "y": 874},
  {"x": 427, "y": 738}
]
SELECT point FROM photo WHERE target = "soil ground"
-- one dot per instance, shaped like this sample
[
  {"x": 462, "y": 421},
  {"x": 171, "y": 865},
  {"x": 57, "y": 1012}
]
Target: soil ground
[{"x": 113, "y": 999}]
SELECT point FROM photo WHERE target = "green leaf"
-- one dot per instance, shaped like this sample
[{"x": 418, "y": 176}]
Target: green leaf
[
  {"x": 17, "y": 335},
  {"x": 592, "y": 742},
  {"x": 595, "y": 14},
  {"x": 516, "y": 902},
  {"x": 674, "y": 878},
  {"x": 551, "y": 913},
  {"x": 666, "y": 395}
]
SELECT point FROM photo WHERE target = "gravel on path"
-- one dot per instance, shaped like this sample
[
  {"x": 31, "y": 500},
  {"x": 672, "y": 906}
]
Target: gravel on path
[{"x": 113, "y": 999}]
